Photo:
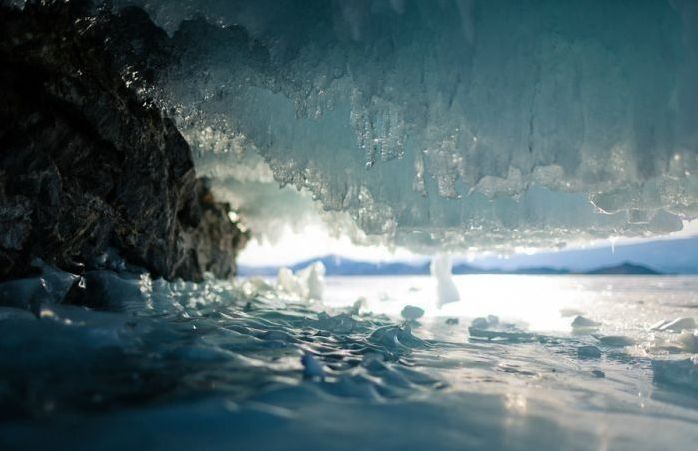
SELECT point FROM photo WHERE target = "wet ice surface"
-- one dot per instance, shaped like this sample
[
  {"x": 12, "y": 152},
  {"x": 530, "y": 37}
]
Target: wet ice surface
[{"x": 216, "y": 366}]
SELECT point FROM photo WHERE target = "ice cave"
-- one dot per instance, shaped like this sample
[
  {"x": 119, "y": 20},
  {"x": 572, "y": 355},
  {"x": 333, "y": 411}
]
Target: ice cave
[{"x": 348, "y": 224}]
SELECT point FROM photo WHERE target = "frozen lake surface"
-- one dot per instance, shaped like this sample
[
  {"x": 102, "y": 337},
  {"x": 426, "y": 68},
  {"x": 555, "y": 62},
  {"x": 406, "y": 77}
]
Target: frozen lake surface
[{"x": 220, "y": 366}]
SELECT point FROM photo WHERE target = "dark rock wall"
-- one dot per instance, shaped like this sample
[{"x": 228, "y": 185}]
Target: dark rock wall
[{"x": 86, "y": 165}]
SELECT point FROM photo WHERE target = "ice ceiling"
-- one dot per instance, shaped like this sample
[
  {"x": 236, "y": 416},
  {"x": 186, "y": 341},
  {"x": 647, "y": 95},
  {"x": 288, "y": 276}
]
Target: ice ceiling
[{"x": 444, "y": 123}]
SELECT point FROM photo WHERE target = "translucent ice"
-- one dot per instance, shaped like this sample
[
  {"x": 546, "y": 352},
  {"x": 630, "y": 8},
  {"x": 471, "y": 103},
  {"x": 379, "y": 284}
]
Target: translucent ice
[
  {"x": 446, "y": 290},
  {"x": 680, "y": 373},
  {"x": 441, "y": 124},
  {"x": 676, "y": 325},
  {"x": 311, "y": 367},
  {"x": 688, "y": 340},
  {"x": 307, "y": 284},
  {"x": 290, "y": 283},
  {"x": 581, "y": 323},
  {"x": 491, "y": 328},
  {"x": 616, "y": 341},
  {"x": 314, "y": 278},
  {"x": 588, "y": 352},
  {"x": 340, "y": 324}
]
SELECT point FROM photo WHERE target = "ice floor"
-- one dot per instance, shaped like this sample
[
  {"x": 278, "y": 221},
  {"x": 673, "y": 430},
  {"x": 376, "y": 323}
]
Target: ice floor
[{"x": 218, "y": 366}]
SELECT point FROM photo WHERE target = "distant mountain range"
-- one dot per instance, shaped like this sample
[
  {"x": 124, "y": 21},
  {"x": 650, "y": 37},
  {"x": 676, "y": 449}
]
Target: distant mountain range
[
  {"x": 678, "y": 256},
  {"x": 339, "y": 266}
]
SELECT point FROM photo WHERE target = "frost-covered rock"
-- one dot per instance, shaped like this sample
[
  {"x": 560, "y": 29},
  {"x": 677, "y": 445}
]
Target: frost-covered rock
[{"x": 87, "y": 165}]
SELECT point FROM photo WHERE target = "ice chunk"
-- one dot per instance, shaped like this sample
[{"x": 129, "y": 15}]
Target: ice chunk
[
  {"x": 289, "y": 283},
  {"x": 308, "y": 283},
  {"x": 396, "y": 339},
  {"x": 678, "y": 373},
  {"x": 340, "y": 324},
  {"x": 676, "y": 325},
  {"x": 580, "y": 323},
  {"x": 588, "y": 352},
  {"x": 487, "y": 323},
  {"x": 312, "y": 369},
  {"x": 616, "y": 341},
  {"x": 255, "y": 286},
  {"x": 27, "y": 294},
  {"x": 51, "y": 287},
  {"x": 492, "y": 329},
  {"x": 314, "y": 279},
  {"x": 688, "y": 340},
  {"x": 512, "y": 335},
  {"x": 109, "y": 290},
  {"x": 569, "y": 312},
  {"x": 659, "y": 324},
  {"x": 445, "y": 288},
  {"x": 412, "y": 313},
  {"x": 359, "y": 306}
]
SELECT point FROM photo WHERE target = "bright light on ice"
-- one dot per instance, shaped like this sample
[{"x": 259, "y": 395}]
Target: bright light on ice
[{"x": 536, "y": 301}]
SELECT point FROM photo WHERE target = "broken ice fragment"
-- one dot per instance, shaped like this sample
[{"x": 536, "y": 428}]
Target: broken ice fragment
[
  {"x": 445, "y": 288},
  {"x": 588, "y": 352},
  {"x": 359, "y": 305},
  {"x": 339, "y": 324},
  {"x": 598, "y": 373},
  {"x": 412, "y": 313},
  {"x": 312, "y": 369},
  {"x": 688, "y": 341},
  {"x": 676, "y": 325},
  {"x": 616, "y": 341},
  {"x": 677, "y": 373},
  {"x": 486, "y": 323},
  {"x": 307, "y": 284},
  {"x": 582, "y": 323}
]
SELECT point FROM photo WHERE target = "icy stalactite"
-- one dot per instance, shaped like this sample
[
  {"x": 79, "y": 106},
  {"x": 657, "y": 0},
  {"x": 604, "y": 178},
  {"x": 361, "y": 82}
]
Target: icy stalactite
[{"x": 452, "y": 123}]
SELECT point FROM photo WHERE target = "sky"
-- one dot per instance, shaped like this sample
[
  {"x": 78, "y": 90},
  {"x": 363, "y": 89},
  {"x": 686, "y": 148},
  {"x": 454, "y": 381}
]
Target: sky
[{"x": 315, "y": 241}]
